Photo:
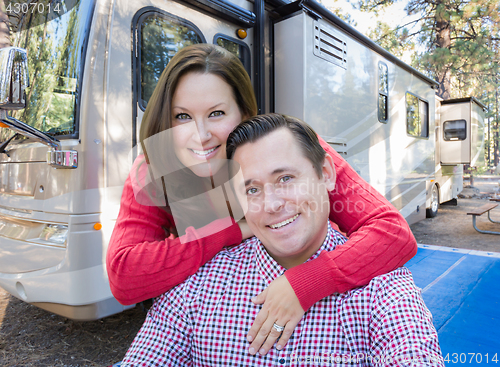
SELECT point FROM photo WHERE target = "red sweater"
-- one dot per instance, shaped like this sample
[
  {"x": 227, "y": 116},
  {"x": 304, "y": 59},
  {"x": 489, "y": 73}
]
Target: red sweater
[{"x": 142, "y": 263}]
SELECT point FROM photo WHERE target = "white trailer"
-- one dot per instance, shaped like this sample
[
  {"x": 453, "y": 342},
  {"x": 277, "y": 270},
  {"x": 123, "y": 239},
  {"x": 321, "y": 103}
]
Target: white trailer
[
  {"x": 92, "y": 66},
  {"x": 459, "y": 141}
]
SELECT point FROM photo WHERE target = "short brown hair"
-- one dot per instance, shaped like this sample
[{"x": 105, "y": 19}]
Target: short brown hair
[
  {"x": 201, "y": 58},
  {"x": 257, "y": 127}
]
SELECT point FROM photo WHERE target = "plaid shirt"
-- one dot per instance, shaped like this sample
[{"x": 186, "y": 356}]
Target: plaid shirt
[{"x": 204, "y": 321}]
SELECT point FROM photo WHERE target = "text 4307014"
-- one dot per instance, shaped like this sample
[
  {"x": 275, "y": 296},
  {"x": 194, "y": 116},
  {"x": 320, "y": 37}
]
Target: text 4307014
[{"x": 322, "y": 359}]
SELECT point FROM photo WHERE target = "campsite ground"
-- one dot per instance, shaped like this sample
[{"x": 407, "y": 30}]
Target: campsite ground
[{"x": 452, "y": 226}]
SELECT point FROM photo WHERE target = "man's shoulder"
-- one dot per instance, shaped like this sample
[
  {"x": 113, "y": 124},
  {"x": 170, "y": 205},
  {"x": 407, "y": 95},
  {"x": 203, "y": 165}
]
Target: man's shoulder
[
  {"x": 388, "y": 288},
  {"x": 399, "y": 279}
]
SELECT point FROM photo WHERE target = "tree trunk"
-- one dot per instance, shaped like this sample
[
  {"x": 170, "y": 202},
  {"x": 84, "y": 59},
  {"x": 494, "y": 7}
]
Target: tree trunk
[
  {"x": 4, "y": 29},
  {"x": 496, "y": 141},
  {"x": 443, "y": 41}
]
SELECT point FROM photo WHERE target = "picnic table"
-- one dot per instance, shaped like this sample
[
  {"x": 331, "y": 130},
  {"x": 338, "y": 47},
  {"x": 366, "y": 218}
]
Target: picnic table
[{"x": 486, "y": 208}]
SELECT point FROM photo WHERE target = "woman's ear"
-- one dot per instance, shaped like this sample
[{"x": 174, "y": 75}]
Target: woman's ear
[{"x": 329, "y": 173}]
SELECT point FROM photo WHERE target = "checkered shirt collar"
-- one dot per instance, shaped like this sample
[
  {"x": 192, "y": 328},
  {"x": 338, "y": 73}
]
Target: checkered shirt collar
[{"x": 270, "y": 269}]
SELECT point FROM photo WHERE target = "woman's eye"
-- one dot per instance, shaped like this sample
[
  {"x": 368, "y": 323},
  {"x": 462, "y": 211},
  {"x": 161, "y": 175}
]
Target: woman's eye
[
  {"x": 182, "y": 116},
  {"x": 285, "y": 179},
  {"x": 217, "y": 113}
]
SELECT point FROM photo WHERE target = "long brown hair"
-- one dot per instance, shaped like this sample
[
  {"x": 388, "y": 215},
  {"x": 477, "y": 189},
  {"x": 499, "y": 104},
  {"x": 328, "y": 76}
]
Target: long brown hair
[
  {"x": 202, "y": 58},
  {"x": 181, "y": 183}
]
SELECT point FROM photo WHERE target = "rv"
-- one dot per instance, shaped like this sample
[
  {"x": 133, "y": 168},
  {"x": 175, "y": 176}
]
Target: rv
[{"x": 75, "y": 84}]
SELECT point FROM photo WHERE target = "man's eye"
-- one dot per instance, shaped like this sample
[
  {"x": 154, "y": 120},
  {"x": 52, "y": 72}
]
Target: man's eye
[
  {"x": 285, "y": 179},
  {"x": 182, "y": 116},
  {"x": 251, "y": 191},
  {"x": 217, "y": 113}
]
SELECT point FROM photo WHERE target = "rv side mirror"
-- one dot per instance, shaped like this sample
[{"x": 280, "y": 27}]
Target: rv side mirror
[{"x": 13, "y": 78}]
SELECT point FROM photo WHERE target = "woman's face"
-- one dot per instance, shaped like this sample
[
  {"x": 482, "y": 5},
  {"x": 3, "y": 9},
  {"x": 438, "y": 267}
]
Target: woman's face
[{"x": 204, "y": 112}]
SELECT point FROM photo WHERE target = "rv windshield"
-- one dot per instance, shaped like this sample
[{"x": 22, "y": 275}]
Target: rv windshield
[{"x": 55, "y": 57}]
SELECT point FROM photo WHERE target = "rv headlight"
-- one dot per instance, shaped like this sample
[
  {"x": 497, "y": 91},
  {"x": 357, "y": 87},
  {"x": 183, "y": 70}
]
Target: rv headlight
[{"x": 54, "y": 233}]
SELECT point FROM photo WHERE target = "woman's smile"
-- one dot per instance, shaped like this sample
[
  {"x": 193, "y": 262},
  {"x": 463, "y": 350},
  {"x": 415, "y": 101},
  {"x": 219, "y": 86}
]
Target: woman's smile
[{"x": 207, "y": 153}]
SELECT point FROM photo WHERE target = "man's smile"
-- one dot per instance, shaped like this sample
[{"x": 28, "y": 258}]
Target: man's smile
[{"x": 284, "y": 222}]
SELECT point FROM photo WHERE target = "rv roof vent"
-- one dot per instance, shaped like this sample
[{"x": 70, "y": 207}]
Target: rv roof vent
[{"x": 330, "y": 45}]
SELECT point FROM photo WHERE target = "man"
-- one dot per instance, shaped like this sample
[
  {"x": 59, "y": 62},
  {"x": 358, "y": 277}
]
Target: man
[{"x": 205, "y": 320}]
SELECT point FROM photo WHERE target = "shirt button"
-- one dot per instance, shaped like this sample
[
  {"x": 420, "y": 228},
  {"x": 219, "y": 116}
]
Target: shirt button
[{"x": 282, "y": 361}]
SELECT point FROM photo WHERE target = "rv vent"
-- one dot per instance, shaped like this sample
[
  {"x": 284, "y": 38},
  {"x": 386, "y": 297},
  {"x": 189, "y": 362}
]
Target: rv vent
[
  {"x": 339, "y": 144},
  {"x": 329, "y": 45}
]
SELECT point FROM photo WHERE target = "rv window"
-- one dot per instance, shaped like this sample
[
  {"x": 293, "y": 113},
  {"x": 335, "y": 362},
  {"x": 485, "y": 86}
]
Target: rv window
[
  {"x": 383, "y": 92},
  {"x": 240, "y": 49},
  {"x": 423, "y": 111},
  {"x": 160, "y": 37},
  {"x": 56, "y": 51},
  {"x": 417, "y": 116},
  {"x": 455, "y": 130}
]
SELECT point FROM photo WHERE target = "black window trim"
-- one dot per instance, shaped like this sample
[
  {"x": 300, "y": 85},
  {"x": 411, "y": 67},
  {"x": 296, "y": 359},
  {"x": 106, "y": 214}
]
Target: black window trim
[
  {"x": 137, "y": 20},
  {"x": 383, "y": 94},
  {"x": 247, "y": 63},
  {"x": 444, "y": 136},
  {"x": 406, "y": 115},
  {"x": 226, "y": 10}
]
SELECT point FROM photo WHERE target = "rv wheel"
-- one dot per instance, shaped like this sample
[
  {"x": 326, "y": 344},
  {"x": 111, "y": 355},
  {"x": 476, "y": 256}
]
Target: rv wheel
[{"x": 433, "y": 210}]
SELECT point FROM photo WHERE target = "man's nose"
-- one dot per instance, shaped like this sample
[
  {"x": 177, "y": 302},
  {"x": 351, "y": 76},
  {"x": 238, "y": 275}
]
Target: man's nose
[{"x": 273, "y": 202}]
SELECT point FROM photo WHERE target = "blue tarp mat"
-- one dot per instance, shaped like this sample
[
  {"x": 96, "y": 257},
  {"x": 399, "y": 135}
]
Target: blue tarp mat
[{"x": 462, "y": 290}]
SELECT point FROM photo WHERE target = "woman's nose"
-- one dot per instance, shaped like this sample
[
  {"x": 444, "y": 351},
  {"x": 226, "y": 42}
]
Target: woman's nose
[{"x": 203, "y": 130}]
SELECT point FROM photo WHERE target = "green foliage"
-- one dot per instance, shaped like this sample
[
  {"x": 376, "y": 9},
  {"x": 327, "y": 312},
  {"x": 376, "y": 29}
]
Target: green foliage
[
  {"x": 396, "y": 42},
  {"x": 455, "y": 42},
  {"x": 340, "y": 12}
]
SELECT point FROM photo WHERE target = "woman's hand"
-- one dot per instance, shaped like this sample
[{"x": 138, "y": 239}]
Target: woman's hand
[
  {"x": 246, "y": 232},
  {"x": 281, "y": 306}
]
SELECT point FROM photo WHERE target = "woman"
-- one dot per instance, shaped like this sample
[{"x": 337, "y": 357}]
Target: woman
[{"x": 203, "y": 93}]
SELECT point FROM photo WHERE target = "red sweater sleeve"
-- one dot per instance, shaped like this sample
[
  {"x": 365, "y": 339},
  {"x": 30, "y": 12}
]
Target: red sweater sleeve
[
  {"x": 380, "y": 240},
  {"x": 142, "y": 263}
]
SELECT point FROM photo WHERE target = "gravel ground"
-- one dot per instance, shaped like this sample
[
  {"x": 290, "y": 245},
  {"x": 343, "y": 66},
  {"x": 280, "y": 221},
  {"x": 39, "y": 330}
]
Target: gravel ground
[{"x": 30, "y": 336}]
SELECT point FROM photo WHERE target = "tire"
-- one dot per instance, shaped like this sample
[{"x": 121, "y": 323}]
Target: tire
[{"x": 433, "y": 210}]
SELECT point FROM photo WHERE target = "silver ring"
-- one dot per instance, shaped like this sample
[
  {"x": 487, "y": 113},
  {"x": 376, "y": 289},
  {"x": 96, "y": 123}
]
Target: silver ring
[{"x": 278, "y": 328}]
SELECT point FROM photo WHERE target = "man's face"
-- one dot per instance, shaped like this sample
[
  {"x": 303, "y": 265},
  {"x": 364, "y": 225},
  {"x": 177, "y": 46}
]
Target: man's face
[{"x": 288, "y": 204}]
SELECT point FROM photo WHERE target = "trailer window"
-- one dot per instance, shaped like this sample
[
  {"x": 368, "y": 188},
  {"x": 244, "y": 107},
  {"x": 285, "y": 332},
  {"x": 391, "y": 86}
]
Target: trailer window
[
  {"x": 383, "y": 92},
  {"x": 160, "y": 37},
  {"x": 417, "y": 116},
  {"x": 238, "y": 48},
  {"x": 455, "y": 130},
  {"x": 55, "y": 41}
]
